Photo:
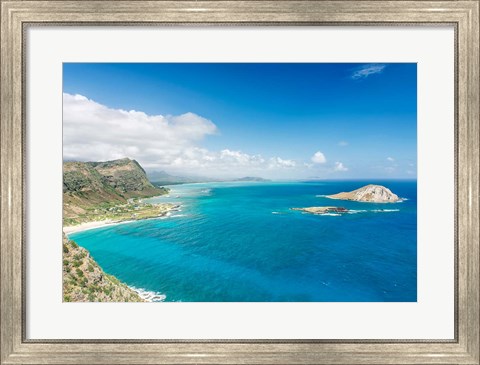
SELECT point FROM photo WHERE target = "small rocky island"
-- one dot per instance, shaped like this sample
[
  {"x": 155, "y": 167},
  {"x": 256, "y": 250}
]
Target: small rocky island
[
  {"x": 369, "y": 193},
  {"x": 322, "y": 210}
]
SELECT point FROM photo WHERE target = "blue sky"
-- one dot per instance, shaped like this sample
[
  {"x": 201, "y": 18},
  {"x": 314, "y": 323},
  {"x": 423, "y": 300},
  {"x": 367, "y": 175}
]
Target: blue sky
[{"x": 227, "y": 120}]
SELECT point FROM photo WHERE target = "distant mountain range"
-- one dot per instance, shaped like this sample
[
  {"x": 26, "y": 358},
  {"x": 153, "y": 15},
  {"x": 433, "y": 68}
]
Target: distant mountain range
[
  {"x": 163, "y": 178},
  {"x": 160, "y": 175},
  {"x": 159, "y": 178},
  {"x": 251, "y": 178}
]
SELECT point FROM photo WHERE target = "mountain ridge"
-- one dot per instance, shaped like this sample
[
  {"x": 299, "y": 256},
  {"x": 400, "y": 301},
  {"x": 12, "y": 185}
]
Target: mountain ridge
[{"x": 87, "y": 185}]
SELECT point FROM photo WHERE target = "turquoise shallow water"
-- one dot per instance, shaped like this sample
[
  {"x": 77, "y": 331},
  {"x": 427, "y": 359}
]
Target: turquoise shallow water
[{"x": 241, "y": 242}]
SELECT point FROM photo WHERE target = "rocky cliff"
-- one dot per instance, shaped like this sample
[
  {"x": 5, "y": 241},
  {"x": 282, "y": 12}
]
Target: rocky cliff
[
  {"x": 370, "y": 193},
  {"x": 86, "y": 185},
  {"x": 126, "y": 176},
  {"x": 85, "y": 281}
]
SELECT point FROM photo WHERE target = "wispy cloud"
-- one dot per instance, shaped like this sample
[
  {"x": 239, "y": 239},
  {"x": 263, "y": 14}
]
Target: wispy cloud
[
  {"x": 340, "y": 167},
  {"x": 391, "y": 159},
  {"x": 367, "y": 70},
  {"x": 319, "y": 158},
  {"x": 276, "y": 162},
  {"x": 343, "y": 143}
]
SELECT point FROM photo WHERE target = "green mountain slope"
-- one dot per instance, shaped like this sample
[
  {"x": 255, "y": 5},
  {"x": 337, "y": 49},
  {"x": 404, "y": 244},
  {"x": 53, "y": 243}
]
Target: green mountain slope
[{"x": 90, "y": 185}]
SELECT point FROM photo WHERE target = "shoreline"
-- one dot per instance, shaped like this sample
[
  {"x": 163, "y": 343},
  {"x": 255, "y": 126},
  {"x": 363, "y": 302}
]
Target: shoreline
[
  {"x": 149, "y": 296},
  {"x": 87, "y": 226}
]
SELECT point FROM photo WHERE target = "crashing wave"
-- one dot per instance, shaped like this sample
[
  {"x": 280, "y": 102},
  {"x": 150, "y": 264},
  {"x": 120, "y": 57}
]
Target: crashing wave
[{"x": 149, "y": 296}]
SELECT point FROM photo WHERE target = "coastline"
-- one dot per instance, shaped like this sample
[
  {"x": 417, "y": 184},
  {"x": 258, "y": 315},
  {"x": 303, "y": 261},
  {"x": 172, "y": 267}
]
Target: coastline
[
  {"x": 86, "y": 226},
  {"x": 148, "y": 296},
  {"x": 169, "y": 292},
  {"x": 144, "y": 295},
  {"x": 85, "y": 281},
  {"x": 94, "y": 287}
]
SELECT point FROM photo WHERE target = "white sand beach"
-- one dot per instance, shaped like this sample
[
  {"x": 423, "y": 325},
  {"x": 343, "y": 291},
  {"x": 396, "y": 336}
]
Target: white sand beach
[
  {"x": 165, "y": 212},
  {"x": 91, "y": 225}
]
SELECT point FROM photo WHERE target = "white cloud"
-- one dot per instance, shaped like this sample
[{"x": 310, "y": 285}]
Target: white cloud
[
  {"x": 319, "y": 157},
  {"x": 343, "y": 143},
  {"x": 391, "y": 159},
  {"x": 340, "y": 167},
  {"x": 367, "y": 70},
  {"x": 92, "y": 131},
  {"x": 240, "y": 158},
  {"x": 227, "y": 163},
  {"x": 95, "y": 132},
  {"x": 276, "y": 162}
]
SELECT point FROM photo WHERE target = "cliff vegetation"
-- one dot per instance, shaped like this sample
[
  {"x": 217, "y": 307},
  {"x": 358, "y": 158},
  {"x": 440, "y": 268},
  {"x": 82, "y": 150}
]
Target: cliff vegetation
[{"x": 85, "y": 281}]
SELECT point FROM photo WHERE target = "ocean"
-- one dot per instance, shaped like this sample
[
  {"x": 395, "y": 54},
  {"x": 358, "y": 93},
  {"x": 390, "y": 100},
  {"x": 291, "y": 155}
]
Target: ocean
[{"x": 241, "y": 242}]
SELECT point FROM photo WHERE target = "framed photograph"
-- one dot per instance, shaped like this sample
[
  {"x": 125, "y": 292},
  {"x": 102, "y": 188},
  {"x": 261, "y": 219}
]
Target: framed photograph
[{"x": 255, "y": 182}]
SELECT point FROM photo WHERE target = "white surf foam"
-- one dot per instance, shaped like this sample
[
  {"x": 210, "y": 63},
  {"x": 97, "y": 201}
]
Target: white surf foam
[
  {"x": 149, "y": 296},
  {"x": 385, "y": 210}
]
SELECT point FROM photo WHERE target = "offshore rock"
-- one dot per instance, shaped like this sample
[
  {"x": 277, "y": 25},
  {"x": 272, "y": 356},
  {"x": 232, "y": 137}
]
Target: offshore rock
[{"x": 370, "y": 193}]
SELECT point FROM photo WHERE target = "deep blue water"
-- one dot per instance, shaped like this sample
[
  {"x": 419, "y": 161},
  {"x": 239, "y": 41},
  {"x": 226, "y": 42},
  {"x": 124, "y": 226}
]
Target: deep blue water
[{"x": 241, "y": 242}]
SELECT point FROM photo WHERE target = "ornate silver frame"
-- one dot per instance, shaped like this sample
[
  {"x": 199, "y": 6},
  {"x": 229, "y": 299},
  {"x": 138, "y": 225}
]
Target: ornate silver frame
[{"x": 17, "y": 15}]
